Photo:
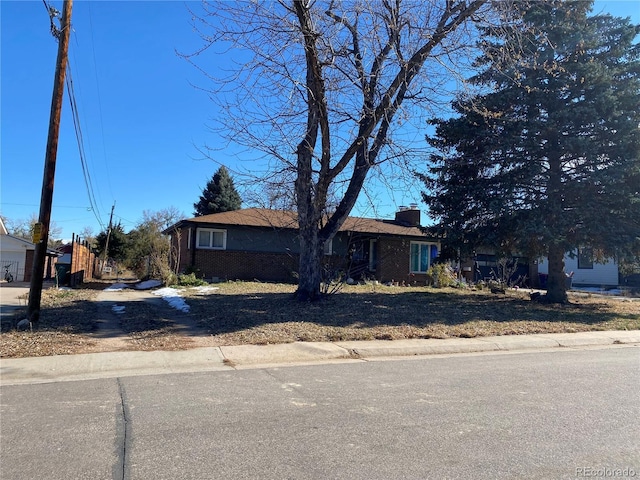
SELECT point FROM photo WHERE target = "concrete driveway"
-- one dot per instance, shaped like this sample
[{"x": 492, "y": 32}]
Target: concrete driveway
[
  {"x": 9, "y": 293},
  {"x": 15, "y": 295}
]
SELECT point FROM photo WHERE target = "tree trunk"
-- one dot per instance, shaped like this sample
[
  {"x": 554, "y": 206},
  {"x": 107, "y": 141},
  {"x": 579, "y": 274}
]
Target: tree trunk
[
  {"x": 310, "y": 266},
  {"x": 557, "y": 282}
]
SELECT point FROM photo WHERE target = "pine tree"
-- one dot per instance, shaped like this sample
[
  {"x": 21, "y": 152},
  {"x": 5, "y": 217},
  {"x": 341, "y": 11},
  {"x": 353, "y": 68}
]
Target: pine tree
[
  {"x": 118, "y": 242},
  {"x": 220, "y": 195},
  {"x": 547, "y": 157}
]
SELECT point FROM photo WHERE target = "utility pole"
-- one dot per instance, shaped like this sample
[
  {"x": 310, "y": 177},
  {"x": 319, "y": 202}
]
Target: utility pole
[
  {"x": 105, "y": 254},
  {"x": 46, "y": 198}
]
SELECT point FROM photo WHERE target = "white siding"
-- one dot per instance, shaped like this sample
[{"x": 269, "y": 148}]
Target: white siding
[
  {"x": 13, "y": 252},
  {"x": 600, "y": 274}
]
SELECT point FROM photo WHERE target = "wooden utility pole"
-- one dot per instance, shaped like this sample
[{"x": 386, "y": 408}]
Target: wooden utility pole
[
  {"x": 105, "y": 254},
  {"x": 46, "y": 198}
]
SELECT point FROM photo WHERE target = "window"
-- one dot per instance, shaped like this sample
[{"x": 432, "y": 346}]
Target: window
[
  {"x": 422, "y": 254},
  {"x": 585, "y": 258},
  {"x": 210, "y": 238}
]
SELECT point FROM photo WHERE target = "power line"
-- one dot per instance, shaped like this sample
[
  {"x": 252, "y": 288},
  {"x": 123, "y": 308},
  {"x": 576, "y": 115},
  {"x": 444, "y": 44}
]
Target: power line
[
  {"x": 54, "y": 206},
  {"x": 95, "y": 71},
  {"x": 53, "y": 13},
  {"x": 126, "y": 221},
  {"x": 79, "y": 138}
]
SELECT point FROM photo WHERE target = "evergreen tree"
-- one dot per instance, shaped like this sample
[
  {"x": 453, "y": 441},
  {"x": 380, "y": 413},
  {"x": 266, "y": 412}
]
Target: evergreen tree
[
  {"x": 118, "y": 243},
  {"x": 547, "y": 157},
  {"x": 219, "y": 195}
]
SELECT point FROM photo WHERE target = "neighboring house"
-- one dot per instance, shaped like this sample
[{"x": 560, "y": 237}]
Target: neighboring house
[
  {"x": 16, "y": 256},
  {"x": 485, "y": 265},
  {"x": 263, "y": 244},
  {"x": 580, "y": 265},
  {"x": 586, "y": 271}
]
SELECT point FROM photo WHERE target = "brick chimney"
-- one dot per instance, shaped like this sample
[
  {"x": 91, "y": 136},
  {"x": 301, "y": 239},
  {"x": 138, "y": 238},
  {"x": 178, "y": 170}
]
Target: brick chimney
[{"x": 409, "y": 216}]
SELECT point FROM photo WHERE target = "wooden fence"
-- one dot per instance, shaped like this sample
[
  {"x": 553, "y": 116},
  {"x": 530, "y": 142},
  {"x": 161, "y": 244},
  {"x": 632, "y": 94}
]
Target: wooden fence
[{"x": 84, "y": 263}]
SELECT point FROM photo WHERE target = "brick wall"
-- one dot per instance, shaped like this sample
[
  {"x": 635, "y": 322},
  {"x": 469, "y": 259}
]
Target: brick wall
[
  {"x": 394, "y": 263},
  {"x": 49, "y": 266},
  {"x": 230, "y": 265},
  {"x": 28, "y": 264}
]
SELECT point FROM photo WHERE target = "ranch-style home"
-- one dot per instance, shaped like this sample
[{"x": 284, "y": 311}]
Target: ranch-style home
[{"x": 263, "y": 244}]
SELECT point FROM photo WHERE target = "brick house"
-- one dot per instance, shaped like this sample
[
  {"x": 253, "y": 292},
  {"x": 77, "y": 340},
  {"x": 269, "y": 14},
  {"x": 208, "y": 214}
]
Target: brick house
[{"x": 263, "y": 244}]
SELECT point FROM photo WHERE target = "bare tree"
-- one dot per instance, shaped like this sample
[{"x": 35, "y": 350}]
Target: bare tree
[
  {"x": 87, "y": 234},
  {"x": 163, "y": 218},
  {"x": 24, "y": 228},
  {"x": 325, "y": 88}
]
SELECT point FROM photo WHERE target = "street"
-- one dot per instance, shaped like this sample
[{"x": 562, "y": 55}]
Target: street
[{"x": 561, "y": 414}]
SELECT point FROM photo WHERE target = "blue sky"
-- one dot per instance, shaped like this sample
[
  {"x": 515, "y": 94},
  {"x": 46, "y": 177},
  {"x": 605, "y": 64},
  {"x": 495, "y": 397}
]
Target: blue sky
[{"x": 142, "y": 120}]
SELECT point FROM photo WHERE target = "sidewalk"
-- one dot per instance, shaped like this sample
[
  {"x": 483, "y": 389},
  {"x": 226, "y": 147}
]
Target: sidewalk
[
  {"x": 122, "y": 364},
  {"x": 15, "y": 295}
]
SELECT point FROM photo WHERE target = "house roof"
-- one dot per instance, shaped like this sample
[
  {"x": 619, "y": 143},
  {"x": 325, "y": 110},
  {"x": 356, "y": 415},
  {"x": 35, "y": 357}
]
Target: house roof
[
  {"x": 17, "y": 241},
  {"x": 267, "y": 218},
  {"x": 11, "y": 242}
]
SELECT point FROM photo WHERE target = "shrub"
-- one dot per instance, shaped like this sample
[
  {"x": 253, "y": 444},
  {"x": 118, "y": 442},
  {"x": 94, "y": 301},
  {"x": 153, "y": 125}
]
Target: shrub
[
  {"x": 191, "y": 270},
  {"x": 442, "y": 275},
  {"x": 155, "y": 265},
  {"x": 190, "y": 280}
]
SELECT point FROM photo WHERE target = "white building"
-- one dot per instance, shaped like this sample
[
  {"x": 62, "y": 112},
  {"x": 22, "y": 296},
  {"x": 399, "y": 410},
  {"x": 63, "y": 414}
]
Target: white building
[
  {"x": 586, "y": 271},
  {"x": 16, "y": 255}
]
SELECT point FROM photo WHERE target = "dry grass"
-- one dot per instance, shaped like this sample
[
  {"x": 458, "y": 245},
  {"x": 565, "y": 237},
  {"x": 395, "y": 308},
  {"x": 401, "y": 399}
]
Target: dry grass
[
  {"x": 66, "y": 317},
  {"x": 260, "y": 313}
]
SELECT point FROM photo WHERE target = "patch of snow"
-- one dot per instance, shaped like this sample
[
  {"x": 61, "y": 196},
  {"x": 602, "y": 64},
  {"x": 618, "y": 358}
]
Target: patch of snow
[
  {"x": 116, "y": 287},
  {"x": 118, "y": 309},
  {"x": 147, "y": 284},
  {"x": 601, "y": 291},
  {"x": 173, "y": 298}
]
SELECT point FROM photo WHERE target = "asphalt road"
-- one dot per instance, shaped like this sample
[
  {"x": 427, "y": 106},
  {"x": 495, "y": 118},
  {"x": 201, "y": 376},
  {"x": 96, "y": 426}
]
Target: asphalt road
[{"x": 548, "y": 415}]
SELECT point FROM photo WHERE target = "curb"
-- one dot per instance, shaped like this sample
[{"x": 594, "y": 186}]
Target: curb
[
  {"x": 59, "y": 368},
  {"x": 370, "y": 349}
]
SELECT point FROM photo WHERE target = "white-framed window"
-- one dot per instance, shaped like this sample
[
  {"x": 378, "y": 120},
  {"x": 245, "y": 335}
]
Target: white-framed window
[
  {"x": 422, "y": 254},
  {"x": 211, "y": 238}
]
